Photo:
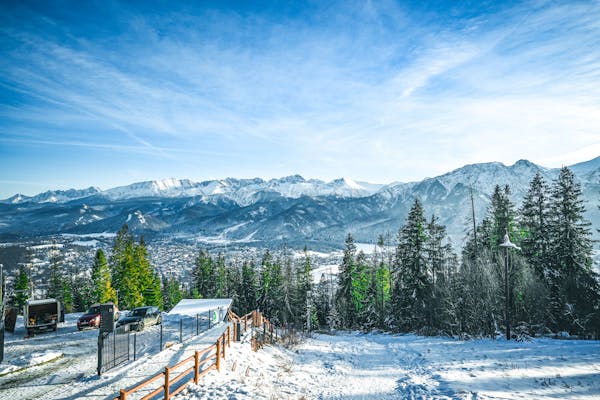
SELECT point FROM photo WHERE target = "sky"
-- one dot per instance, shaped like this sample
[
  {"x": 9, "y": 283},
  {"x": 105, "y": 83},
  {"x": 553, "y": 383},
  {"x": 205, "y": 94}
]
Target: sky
[{"x": 107, "y": 93}]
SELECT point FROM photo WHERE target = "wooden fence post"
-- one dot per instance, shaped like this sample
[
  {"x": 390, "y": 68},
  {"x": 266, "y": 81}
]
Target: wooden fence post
[
  {"x": 167, "y": 383},
  {"x": 235, "y": 331},
  {"x": 196, "y": 366},
  {"x": 122, "y": 394},
  {"x": 229, "y": 336},
  {"x": 218, "y": 361},
  {"x": 224, "y": 344}
]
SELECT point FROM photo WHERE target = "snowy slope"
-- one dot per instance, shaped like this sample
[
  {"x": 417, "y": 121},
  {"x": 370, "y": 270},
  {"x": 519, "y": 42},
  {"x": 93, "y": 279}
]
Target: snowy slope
[
  {"x": 379, "y": 366},
  {"x": 346, "y": 365}
]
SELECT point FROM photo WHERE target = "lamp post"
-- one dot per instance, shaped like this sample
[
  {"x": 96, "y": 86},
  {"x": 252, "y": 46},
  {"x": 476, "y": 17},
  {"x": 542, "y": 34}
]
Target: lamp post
[{"x": 507, "y": 244}]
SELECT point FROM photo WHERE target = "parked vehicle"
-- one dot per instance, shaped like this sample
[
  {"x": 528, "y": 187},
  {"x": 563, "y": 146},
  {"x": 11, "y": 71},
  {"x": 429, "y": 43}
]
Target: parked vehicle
[
  {"x": 91, "y": 319},
  {"x": 41, "y": 315},
  {"x": 140, "y": 317}
]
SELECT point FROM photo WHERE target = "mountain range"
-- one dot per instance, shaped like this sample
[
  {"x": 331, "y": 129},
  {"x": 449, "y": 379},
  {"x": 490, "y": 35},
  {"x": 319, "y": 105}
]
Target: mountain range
[{"x": 292, "y": 209}]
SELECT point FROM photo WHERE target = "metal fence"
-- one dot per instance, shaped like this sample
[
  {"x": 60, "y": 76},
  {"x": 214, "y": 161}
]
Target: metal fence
[
  {"x": 122, "y": 346},
  {"x": 113, "y": 350}
]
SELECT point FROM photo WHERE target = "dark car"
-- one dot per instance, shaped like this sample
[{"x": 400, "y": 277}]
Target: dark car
[
  {"x": 140, "y": 317},
  {"x": 91, "y": 319}
]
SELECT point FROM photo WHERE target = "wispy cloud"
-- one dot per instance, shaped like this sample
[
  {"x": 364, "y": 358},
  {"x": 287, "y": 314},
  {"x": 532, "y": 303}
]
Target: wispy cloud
[{"x": 378, "y": 91}]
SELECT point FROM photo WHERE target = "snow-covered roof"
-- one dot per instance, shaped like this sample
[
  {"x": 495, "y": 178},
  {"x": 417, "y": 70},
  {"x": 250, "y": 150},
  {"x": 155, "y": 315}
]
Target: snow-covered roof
[
  {"x": 192, "y": 307},
  {"x": 40, "y": 301}
]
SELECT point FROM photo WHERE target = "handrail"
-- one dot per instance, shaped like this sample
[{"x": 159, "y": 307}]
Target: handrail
[{"x": 216, "y": 350}]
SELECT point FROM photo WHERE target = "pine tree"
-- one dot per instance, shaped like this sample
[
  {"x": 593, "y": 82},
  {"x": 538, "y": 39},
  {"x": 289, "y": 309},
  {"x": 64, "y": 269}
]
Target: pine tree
[
  {"x": 436, "y": 254},
  {"x": 172, "y": 293},
  {"x": 271, "y": 288},
  {"x": 412, "y": 289},
  {"x": 502, "y": 217},
  {"x": 304, "y": 285},
  {"x": 362, "y": 279},
  {"x": 220, "y": 284},
  {"x": 204, "y": 275},
  {"x": 21, "y": 289},
  {"x": 344, "y": 304},
  {"x": 248, "y": 289},
  {"x": 573, "y": 285},
  {"x": 534, "y": 225},
  {"x": 102, "y": 289}
]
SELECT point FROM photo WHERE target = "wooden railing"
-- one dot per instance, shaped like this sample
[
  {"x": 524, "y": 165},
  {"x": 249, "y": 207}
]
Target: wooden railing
[
  {"x": 196, "y": 364},
  {"x": 176, "y": 373}
]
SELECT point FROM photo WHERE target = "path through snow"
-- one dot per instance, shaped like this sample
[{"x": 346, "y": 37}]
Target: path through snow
[{"x": 380, "y": 366}]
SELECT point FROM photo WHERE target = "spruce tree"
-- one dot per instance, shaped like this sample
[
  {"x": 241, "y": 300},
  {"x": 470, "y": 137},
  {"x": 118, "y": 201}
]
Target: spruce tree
[
  {"x": 534, "y": 225},
  {"x": 345, "y": 310},
  {"x": 304, "y": 285},
  {"x": 102, "y": 289},
  {"x": 412, "y": 289},
  {"x": 204, "y": 275},
  {"x": 172, "y": 293},
  {"x": 248, "y": 289},
  {"x": 573, "y": 284},
  {"x": 21, "y": 289}
]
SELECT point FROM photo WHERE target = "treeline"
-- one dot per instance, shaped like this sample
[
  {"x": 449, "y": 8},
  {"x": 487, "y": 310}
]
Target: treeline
[
  {"x": 126, "y": 278},
  {"x": 547, "y": 285},
  {"x": 415, "y": 284}
]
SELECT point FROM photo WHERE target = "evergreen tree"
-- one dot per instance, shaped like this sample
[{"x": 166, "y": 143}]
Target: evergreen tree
[
  {"x": 172, "y": 293},
  {"x": 573, "y": 285},
  {"x": 344, "y": 306},
  {"x": 248, "y": 289},
  {"x": 304, "y": 285},
  {"x": 534, "y": 225},
  {"x": 436, "y": 255},
  {"x": 502, "y": 217},
  {"x": 220, "y": 284},
  {"x": 271, "y": 288},
  {"x": 102, "y": 289},
  {"x": 362, "y": 278},
  {"x": 204, "y": 275},
  {"x": 412, "y": 289},
  {"x": 21, "y": 289}
]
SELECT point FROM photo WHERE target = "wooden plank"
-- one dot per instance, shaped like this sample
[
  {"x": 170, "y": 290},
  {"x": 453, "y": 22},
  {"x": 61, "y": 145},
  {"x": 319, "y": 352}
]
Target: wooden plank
[
  {"x": 142, "y": 384},
  {"x": 181, "y": 376},
  {"x": 154, "y": 393},
  {"x": 207, "y": 370},
  {"x": 181, "y": 363}
]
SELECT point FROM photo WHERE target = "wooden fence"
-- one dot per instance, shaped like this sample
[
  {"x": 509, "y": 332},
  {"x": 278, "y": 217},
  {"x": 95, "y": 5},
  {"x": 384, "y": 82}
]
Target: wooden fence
[{"x": 196, "y": 363}]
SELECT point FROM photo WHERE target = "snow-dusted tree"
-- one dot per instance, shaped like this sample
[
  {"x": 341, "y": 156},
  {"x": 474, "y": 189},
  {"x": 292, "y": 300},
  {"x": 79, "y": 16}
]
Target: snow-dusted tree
[
  {"x": 220, "y": 277},
  {"x": 534, "y": 225},
  {"x": 248, "y": 289},
  {"x": 304, "y": 284},
  {"x": 574, "y": 290},
  {"x": 412, "y": 289},
  {"x": 271, "y": 288},
  {"x": 344, "y": 299},
  {"x": 502, "y": 217}
]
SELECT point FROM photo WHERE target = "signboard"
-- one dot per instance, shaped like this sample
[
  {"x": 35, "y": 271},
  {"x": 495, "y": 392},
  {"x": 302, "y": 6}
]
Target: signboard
[{"x": 107, "y": 317}]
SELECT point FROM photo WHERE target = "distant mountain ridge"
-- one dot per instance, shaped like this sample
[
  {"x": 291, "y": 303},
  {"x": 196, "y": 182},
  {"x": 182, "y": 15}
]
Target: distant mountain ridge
[
  {"x": 240, "y": 190},
  {"x": 290, "y": 209}
]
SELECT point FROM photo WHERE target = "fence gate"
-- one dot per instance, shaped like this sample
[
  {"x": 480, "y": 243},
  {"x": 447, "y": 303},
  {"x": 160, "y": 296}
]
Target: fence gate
[{"x": 113, "y": 350}]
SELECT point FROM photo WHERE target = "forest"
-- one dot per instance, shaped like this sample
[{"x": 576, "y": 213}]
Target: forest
[{"x": 542, "y": 284}]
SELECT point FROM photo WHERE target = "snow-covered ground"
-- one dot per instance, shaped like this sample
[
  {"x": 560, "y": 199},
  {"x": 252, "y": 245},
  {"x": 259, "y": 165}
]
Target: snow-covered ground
[
  {"x": 63, "y": 364},
  {"x": 341, "y": 366},
  {"x": 381, "y": 366}
]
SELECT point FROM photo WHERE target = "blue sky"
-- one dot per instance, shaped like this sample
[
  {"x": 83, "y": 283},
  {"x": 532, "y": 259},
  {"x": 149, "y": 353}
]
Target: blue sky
[{"x": 108, "y": 93}]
